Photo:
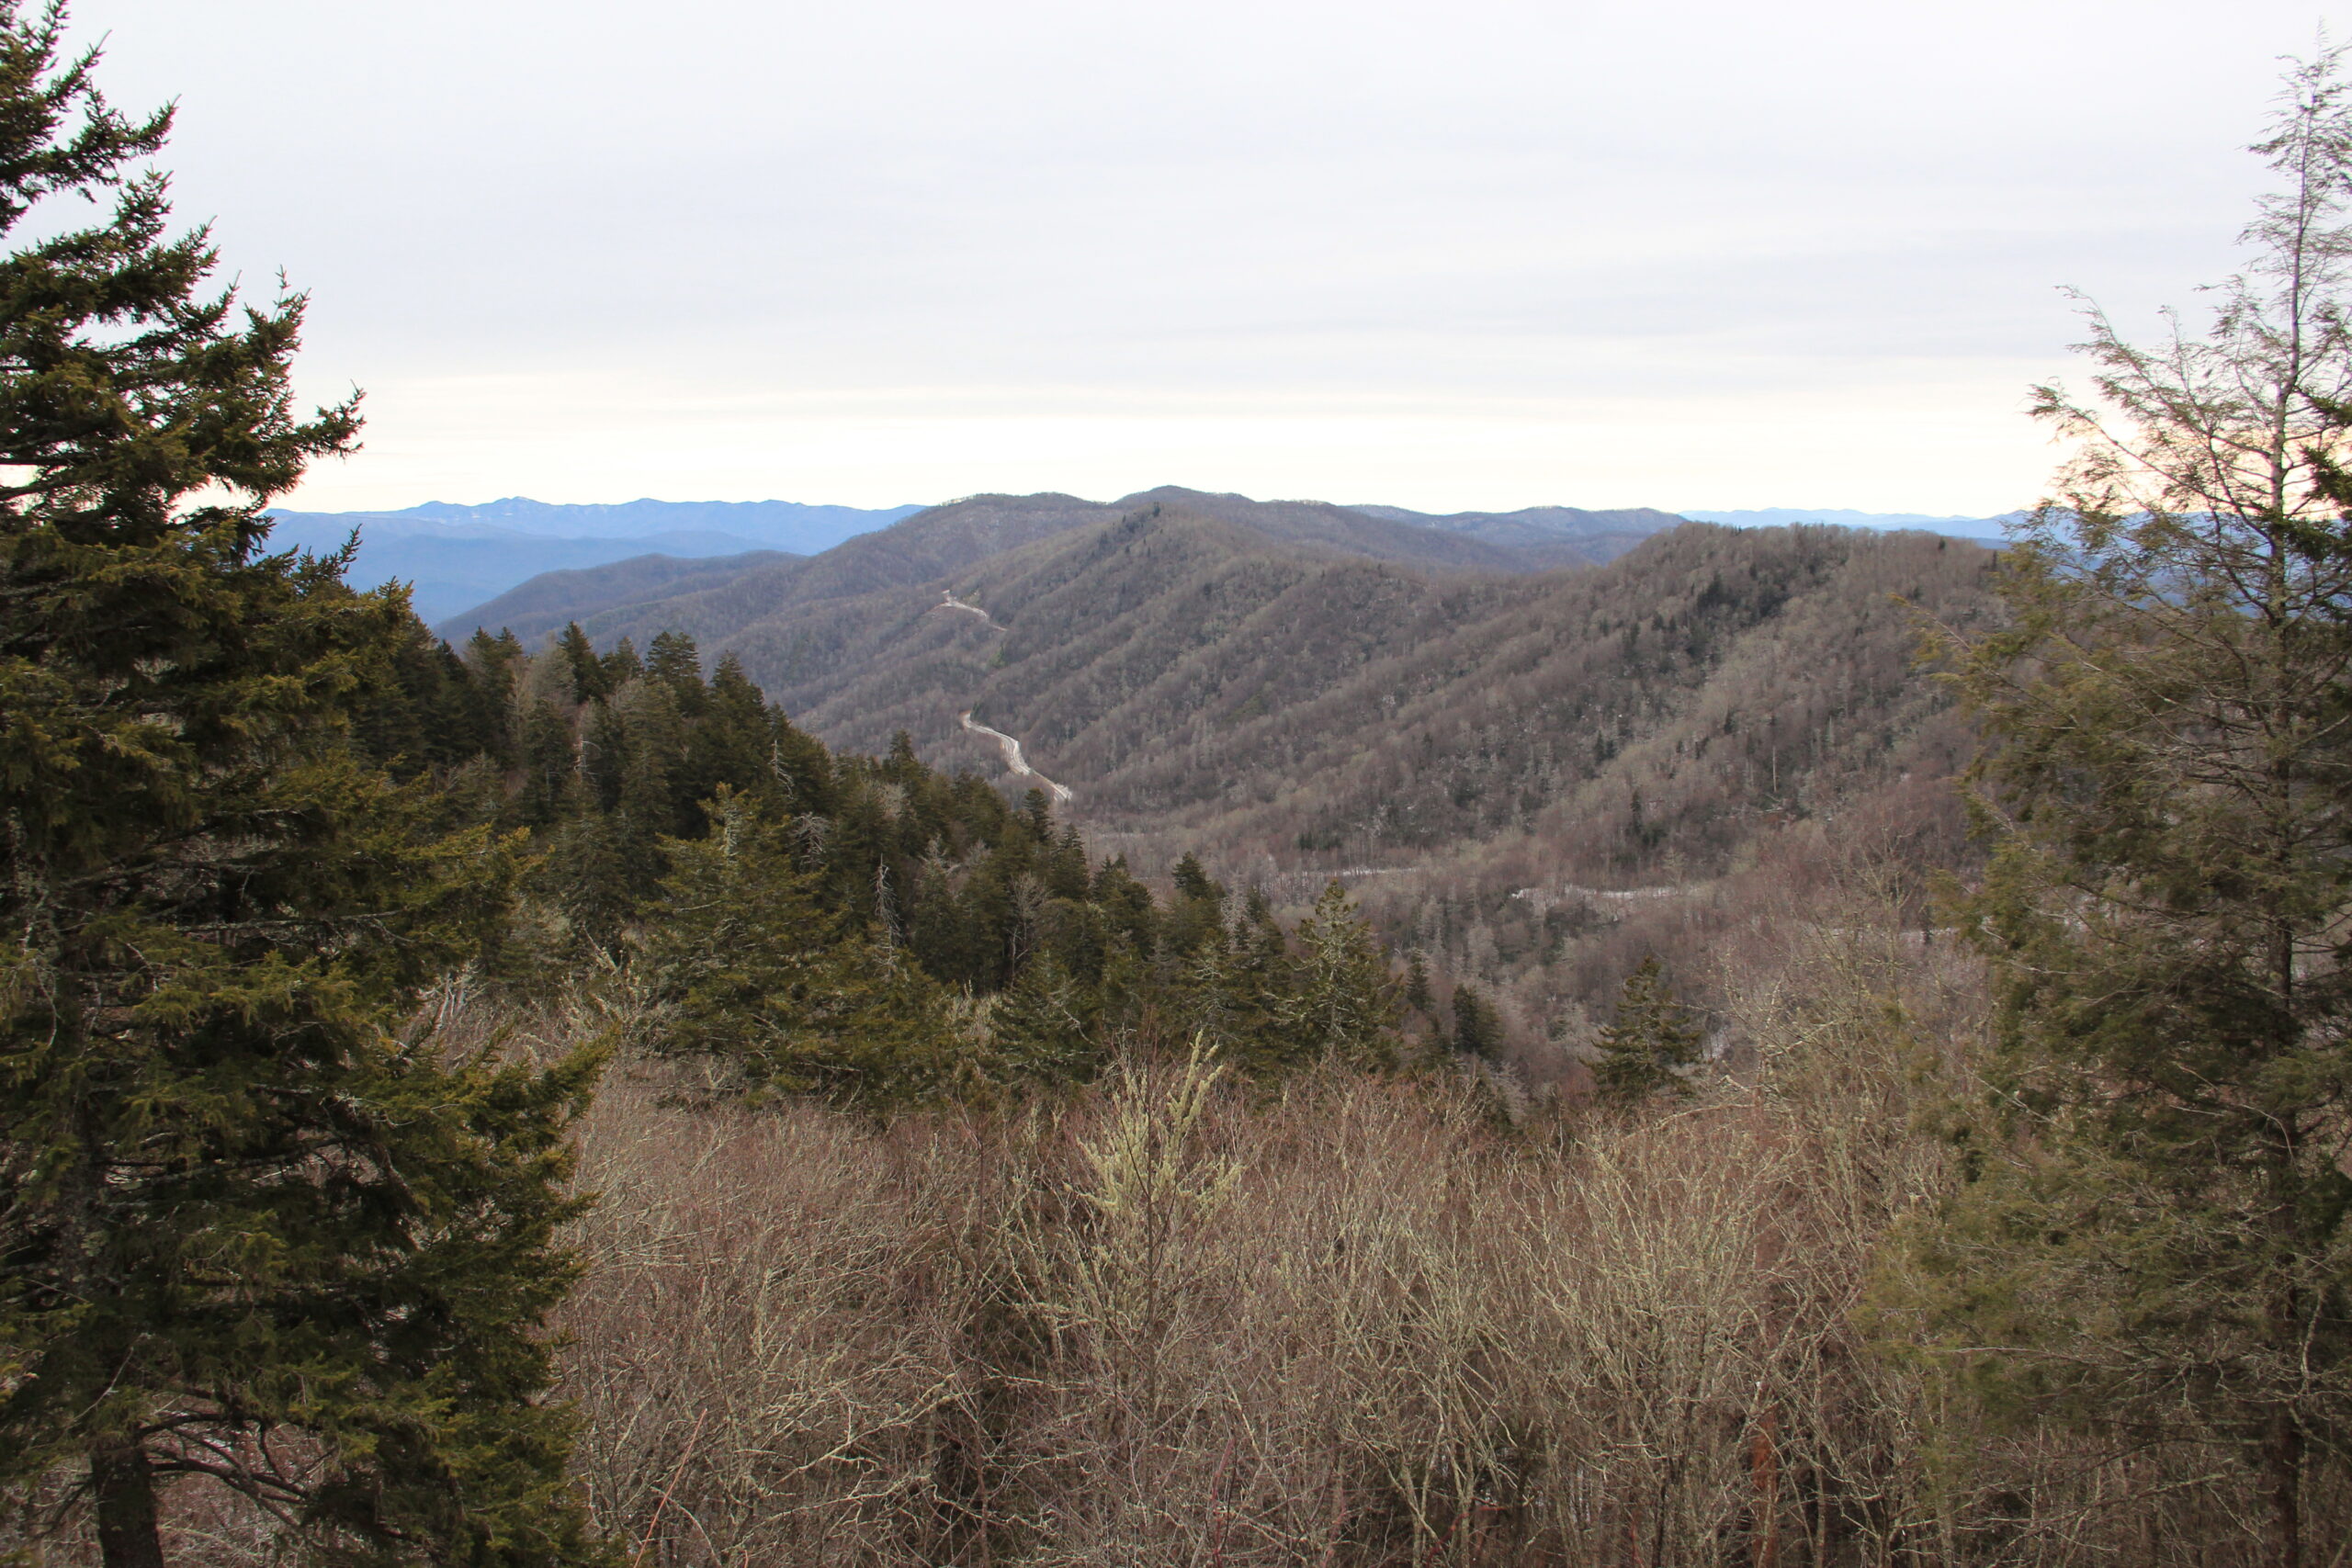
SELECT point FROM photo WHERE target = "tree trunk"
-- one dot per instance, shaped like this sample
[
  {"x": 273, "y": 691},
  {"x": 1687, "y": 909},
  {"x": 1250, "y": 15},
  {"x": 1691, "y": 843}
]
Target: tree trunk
[
  {"x": 124, "y": 1495},
  {"x": 1764, "y": 1474},
  {"x": 2282, "y": 1475}
]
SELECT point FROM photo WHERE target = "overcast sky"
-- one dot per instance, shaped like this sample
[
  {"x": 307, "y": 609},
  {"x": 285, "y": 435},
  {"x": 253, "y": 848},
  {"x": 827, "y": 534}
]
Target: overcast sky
[{"x": 1450, "y": 253}]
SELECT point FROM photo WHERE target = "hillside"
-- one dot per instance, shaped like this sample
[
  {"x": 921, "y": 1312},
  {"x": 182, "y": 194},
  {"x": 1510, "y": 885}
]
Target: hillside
[
  {"x": 941, "y": 539},
  {"x": 1293, "y": 690},
  {"x": 455, "y": 556},
  {"x": 917, "y": 550},
  {"x": 1548, "y": 536}
]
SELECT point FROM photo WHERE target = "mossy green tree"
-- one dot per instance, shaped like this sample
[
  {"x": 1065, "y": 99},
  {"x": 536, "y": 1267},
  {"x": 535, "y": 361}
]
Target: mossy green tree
[
  {"x": 1651, "y": 1046},
  {"x": 2152, "y": 1241},
  {"x": 255, "y": 1230}
]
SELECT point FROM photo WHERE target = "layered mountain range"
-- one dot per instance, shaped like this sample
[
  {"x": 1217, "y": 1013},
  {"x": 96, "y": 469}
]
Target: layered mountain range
[
  {"x": 455, "y": 556},
  {"x": 1524, "y": 752}
]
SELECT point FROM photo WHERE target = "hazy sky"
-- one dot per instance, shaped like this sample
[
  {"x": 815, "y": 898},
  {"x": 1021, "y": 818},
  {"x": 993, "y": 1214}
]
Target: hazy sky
[{"x": 1449, "y": 254}]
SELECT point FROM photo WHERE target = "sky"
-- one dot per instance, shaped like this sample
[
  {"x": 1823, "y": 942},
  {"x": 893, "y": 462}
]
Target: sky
[{"x": 1449, "y": 255}]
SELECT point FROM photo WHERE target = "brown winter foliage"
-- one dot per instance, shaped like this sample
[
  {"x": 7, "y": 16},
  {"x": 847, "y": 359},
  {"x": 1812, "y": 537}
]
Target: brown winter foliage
[{"x": 1359, "y": 1320}]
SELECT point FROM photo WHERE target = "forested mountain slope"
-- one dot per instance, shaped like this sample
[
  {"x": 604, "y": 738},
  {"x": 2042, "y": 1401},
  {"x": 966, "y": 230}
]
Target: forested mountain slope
[
  {"x": 1548, "y": 536},
  {"x": 920, "y": 549},
  {"x": 1484, "y": 752},
  {"x": 946, "y": 538}
]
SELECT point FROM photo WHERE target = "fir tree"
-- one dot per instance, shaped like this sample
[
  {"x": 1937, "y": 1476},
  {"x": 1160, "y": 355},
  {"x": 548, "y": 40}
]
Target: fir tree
[
  {"x": 1344, "y": 1003},
  {"x": 494, "y": 661},
  {"x": 1043, "y": 1026},
  {"x": 1418, "y": 996},
  {"x": 674, "y": 662},
  {"x": 744, "y": 964},
  {"x": 1127, "y": 905},
  {"x": 590, "y": 681},
  {"x": 250, "y": 1234},
  {"x": 549, "y": 786},
  {"x": 1477, "y": 1028},
  {"x": 2154, "y": 1239},
  {"x": 622, "y": 665},
  {"x": 1651, "y": 1046},
  {"x": 1196, "y": 916}
]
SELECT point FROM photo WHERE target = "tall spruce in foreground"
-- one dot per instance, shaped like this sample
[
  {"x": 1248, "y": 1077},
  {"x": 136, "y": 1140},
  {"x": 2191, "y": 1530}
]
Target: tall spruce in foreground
[
  {"x": 254, "y": 1233},
  {"x": 2154, "y": 1245}
]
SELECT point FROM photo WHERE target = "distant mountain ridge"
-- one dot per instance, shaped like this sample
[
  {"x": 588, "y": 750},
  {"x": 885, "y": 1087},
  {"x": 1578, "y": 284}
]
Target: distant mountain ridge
[
  {"x": 1782, "y": 517},
  {"x": 792, "y": 525},
  {"x": 1555, "y": 536},
  {"x": 941, "y": 540},
  {"x": 736, "y": 592},
  {"x": 454, "y": 555}
]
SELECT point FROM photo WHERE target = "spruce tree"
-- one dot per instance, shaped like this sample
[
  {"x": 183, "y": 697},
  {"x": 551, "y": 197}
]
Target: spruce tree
[
  {"x": 1418, "y": 997},
  {"x": 1651, "y": 1046},
  {"x": 1478, "y": 1030},
  {"x": 1196, "y": 914},
  {"x": 256, "y": 1231},
  {"x": 743, "y": 963},
  {"x": 2153, "y": 1240},
  {"x": 676, "y": 663},
  {"x": 591, "y": 680},
  {"x": 1344, "y": 1003},
  {"x": 1043, "y": 1026}
]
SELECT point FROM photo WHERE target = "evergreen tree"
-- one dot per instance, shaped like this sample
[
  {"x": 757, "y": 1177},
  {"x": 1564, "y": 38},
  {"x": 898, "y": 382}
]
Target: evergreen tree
[
  {"x": 673, "y": 660},
  {"x": 604, "y": 755},
  {"x": 590, "y": 681},
  {"x": 1126, "y": 905},
  {"x": 1418, "y": 994},
  {"x": 744, "y": 964},
  {"x": 622, "y": 665},
  {"x": 1651, "y": 1046},
  {"x": 1477, "y": 1028},
  {"x": 1344, "y": 1003},
  {"x": 495, "y": 660},
  {"x": 250, "y": 1234},
  {"x": 1196, "y": 916},
  {"x": 1043, "y": 1026},
  {"x": 549, "y": 788},
  {"x": 2154, "y": 1237}
]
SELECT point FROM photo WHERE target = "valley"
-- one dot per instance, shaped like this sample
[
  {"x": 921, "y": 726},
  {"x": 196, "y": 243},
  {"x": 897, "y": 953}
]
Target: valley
[{"x": 1506, "y": 761}]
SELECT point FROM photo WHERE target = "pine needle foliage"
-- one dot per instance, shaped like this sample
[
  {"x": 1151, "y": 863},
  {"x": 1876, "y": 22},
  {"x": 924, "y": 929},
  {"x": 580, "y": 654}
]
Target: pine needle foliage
[
  {"x": 1651, "y": 1046},
  {"x": 256, "y": 1231},
  {"x": 747, "y": 967},
  {"x": 2154, "y": 1242}
]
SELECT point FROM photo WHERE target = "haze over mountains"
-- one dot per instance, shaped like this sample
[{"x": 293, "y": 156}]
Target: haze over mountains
[
  {"x": 1295, "y": 689},
  {"x": 1985, "y": 528},
  {"x": 455, "y": 556}
]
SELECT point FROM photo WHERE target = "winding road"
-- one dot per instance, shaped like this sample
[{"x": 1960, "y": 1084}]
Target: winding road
[
  {"x": 947, "y": 601},
  {"x": 1013, "y": 758}
]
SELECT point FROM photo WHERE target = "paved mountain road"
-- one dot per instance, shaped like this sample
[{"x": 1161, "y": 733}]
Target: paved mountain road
[{"x": 1013, "y": 758}]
